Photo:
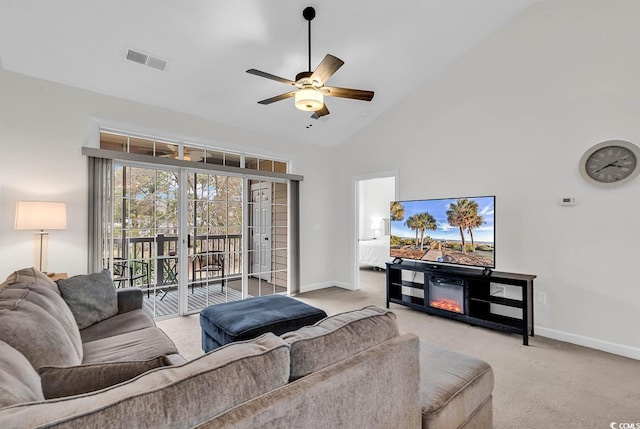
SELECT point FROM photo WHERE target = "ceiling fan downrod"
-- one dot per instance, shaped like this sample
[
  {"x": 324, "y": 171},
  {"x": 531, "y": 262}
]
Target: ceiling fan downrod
[{"x": 309, "y": 13}]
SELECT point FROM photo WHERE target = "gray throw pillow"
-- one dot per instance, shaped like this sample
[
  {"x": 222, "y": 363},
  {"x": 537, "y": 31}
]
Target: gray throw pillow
[
  {"x": 36, "y": 321},
  {"x": 91, "y": 297},
  {"x": 58, "y": 382},
  {"x": 19, "y": 382}
]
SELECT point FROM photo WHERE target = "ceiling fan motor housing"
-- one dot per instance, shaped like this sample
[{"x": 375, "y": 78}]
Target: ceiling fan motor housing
[
  {"x": 303, "y": 75},
  {"x": 304, "y": 78}
]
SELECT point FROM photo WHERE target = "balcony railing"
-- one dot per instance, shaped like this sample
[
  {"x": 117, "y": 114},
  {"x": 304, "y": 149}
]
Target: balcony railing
[{"x": 153, "y": 261}]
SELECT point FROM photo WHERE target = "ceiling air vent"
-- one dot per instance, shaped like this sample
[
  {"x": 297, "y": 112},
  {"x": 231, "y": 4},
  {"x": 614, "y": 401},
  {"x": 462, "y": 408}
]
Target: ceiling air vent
[
  {"x": 156, "y": 63},
  {"x": 137, "y": 57},
  {"x": 147, "y": 60}
]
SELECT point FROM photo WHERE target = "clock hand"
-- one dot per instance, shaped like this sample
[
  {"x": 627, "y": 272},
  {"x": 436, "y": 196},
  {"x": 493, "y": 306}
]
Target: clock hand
[
  {"x": 611, "y": 164},
  {"x": 606, "y": 166}
]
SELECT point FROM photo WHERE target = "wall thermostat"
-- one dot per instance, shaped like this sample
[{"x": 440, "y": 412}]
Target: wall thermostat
[{"x": 567, "y": 201}]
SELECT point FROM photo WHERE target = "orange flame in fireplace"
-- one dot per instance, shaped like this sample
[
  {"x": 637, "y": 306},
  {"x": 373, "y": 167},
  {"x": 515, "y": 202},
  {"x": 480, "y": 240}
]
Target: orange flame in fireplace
[{"x": 447, "y": 304}]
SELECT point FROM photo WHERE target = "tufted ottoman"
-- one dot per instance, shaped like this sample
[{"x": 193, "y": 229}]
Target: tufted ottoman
[{"x": 252, "y": 317}]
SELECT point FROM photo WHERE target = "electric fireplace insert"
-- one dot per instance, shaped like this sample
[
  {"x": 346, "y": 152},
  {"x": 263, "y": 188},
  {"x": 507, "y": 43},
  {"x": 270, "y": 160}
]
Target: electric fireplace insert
[{"x": 447, "y": 294}]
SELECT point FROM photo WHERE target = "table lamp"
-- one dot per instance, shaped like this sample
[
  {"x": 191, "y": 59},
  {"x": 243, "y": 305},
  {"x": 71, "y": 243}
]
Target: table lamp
[
  {"x": 375, "y": 223},
  {"x": 41, "y": 215}
]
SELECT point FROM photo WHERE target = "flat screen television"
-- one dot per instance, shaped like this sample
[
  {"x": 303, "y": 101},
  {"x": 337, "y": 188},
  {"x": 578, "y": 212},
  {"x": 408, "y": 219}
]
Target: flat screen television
[{"x": 457, "y": 231}]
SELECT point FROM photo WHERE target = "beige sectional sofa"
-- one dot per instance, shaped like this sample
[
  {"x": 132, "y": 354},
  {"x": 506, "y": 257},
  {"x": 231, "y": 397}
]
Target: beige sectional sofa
[{"x": 351, "y": 370}]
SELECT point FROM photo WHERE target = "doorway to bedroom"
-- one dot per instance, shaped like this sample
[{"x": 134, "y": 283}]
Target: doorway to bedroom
[{"x": 373, "y": 194}]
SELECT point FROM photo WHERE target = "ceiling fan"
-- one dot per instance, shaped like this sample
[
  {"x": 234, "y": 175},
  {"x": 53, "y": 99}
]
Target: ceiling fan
[{"x": 310, "y": 92}]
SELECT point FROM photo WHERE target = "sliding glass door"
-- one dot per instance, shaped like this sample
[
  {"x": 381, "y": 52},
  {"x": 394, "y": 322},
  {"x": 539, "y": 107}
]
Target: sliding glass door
[{"x": 191, "y": 239}]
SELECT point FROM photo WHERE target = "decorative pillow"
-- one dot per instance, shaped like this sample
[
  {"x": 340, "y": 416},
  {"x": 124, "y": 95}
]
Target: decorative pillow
[
  {"x": 58, "y": 382},
  {"x": 91, "y": 297},
  {"x": 19, "y": 382},
  {"x": 36, "y": 321},
  {"x": 338, "y": 337}
]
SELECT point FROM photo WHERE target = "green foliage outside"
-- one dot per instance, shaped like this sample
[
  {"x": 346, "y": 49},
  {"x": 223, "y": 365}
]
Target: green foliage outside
[{"x": 146, "y": 204}]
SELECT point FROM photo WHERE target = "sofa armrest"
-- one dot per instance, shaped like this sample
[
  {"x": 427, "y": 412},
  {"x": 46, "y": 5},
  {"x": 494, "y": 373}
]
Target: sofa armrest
[{"x": 129, "y": 299}]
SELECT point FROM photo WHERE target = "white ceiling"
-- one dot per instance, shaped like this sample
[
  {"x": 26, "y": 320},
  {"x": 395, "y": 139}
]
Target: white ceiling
[{"x": 388, "y": 47}]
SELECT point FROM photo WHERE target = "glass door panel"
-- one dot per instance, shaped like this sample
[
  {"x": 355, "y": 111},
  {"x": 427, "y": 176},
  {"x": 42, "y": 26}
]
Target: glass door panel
[
  {"x": 268, "y": 237},
  {"x": 214, "y": 227},
  {"x": 145, "y": 235}
]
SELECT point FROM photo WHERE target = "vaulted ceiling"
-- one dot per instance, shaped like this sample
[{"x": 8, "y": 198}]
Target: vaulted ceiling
[{"x": 388, "y": 47}]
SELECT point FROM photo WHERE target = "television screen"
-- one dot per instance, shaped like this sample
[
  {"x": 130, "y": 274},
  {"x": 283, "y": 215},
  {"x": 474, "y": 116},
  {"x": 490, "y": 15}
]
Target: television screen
[{"x": 449, "y": 230}]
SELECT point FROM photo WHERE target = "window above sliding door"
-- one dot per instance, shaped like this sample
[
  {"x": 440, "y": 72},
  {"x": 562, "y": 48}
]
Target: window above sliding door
[{"x": 188, "y": 152}]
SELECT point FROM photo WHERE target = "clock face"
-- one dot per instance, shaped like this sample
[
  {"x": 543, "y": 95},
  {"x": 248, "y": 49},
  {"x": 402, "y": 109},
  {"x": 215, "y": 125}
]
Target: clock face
[{"x": 611, "y": 162}]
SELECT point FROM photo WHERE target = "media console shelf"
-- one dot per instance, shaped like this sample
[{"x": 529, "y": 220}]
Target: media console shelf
[{"x": 501, "y": 301}]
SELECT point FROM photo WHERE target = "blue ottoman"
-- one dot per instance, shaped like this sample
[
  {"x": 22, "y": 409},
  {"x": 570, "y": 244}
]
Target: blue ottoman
[{"x": 252, "y": 317}]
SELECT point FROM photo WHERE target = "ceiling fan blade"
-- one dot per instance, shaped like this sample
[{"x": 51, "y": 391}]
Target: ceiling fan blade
[
  {"x": 322, "y": 112},
  {"x": 271, "y": 76},
  {"x": 278, "y": 98},
  {"x": 326, "y": 68},
  {"x": 357, "y": 94}
]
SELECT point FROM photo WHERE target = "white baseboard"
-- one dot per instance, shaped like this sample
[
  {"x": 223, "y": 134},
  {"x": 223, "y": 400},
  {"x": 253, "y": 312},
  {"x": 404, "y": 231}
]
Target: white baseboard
[
  {"x": 343, "y": 285},
  {"x": 605, "y": 346},
  {"x": 323, "y": 285}
]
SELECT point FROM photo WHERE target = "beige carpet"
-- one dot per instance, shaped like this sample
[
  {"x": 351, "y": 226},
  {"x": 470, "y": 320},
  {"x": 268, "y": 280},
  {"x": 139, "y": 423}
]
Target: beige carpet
[{"x": 549, "y": 384}]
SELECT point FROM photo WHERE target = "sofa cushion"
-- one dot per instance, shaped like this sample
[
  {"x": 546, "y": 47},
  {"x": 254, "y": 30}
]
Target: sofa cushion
[
  {"x": 19, "y": 382},
  {"x": 121, "y": 323},
  {"x": 58, "y": 382},
  {"x": 338, "y": 337},
  {"x": 137, "y": 345},
  {"x": 36, "y": 321},
  {"x": 452, "y": 386},
  {"x": 178, "y": 396},
  {"x": 91, "y": 297}
]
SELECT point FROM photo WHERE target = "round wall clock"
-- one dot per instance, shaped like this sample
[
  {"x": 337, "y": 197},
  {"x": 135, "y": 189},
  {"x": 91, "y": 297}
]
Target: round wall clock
[{"x": 611, "y": 162}]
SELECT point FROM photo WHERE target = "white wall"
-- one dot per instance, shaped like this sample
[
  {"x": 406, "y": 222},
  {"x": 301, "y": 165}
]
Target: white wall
[
  {"x": 43, "y": 127},
  {"x": 375, "y": 196},
  {"x": 512, "y": 119}
]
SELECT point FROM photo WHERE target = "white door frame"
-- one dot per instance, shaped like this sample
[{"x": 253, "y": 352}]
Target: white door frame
[{"x": 355, "y": 216}]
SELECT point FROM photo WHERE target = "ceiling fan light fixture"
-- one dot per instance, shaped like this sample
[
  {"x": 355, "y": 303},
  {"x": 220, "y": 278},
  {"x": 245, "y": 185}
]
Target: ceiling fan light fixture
[{"x": 309, "y": 99}]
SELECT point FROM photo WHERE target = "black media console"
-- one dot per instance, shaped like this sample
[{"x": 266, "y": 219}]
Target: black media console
[{"x": 493, "y": 299}]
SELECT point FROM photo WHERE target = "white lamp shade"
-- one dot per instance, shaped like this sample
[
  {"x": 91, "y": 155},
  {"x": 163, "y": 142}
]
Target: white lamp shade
[
  {"x": 41, "y": 215},
  {"x": 309, "y": 99}
]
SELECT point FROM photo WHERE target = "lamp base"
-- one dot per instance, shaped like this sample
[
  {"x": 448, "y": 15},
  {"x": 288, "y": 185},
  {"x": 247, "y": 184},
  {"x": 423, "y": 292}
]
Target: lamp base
[{"x": 40, "y": 254}]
